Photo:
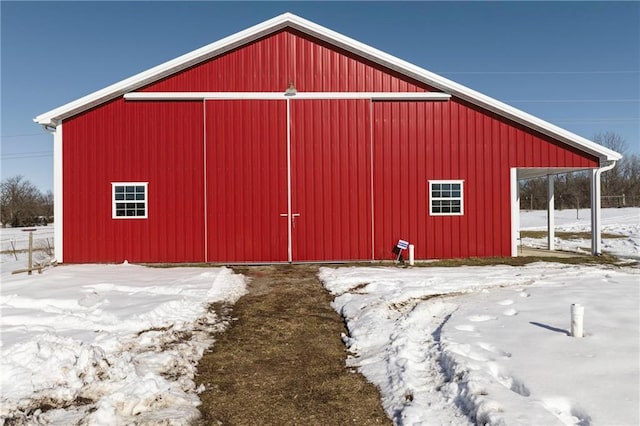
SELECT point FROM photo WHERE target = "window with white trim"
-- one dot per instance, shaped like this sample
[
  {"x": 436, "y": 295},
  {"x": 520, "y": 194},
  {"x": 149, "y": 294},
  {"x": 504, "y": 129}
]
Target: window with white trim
[
  {"x": 446, "y": 197},
  {"x": 129, "y": 200}
]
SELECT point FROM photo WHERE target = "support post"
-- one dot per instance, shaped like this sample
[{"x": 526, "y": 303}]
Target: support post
[
  {"x": 411, "y": 255},
  {"x": 596, "y": 241},
  {"x": 515, "y": 212},
  {"x": 551, "y": 236}
]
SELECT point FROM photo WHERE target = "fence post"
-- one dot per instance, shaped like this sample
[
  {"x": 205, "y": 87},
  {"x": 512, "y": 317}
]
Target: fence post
[{"x": 30, "y": 261}]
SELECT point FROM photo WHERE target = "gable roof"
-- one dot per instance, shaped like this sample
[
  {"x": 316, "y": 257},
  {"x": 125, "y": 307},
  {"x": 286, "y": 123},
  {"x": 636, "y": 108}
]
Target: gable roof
[{"x": 285, "y": 20}]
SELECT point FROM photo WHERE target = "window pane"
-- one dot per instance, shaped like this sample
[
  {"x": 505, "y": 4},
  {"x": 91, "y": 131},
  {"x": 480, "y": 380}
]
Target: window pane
[
  {"x": 129, "y": 200},
  {"x": 455, "y": 193},
  {"x": 446, "y": 194},
  {"x": 435, "y": 186}
]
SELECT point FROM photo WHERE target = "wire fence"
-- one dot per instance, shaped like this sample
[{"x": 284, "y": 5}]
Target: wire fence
[{"x": 15, "y": 241}]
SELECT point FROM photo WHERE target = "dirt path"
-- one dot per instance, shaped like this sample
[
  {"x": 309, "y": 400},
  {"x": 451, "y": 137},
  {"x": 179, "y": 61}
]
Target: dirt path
[{"x": 282, "y": 362}]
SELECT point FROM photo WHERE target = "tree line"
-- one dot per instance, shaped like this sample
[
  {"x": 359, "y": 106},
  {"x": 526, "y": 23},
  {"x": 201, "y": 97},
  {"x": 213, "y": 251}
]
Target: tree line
[
  {"x": 23, "y": 204},
  {"x": 620, "y": 186}
]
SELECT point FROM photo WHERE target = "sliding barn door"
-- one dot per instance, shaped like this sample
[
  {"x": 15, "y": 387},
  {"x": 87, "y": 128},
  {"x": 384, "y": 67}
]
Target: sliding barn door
[
  {"x": 246, "y": 181},
  {"x": 331, "y": 180}
]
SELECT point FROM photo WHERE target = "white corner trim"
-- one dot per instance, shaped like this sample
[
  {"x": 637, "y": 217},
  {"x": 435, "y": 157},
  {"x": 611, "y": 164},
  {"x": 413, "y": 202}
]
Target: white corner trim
[
  {"x": 515, "y": 211},
  {"x": 198, "y": 96},
  {"x": 58, "y": 196}
]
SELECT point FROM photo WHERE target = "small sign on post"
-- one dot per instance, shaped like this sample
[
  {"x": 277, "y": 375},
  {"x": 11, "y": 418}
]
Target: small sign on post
[{"x": 402, "y": 245}]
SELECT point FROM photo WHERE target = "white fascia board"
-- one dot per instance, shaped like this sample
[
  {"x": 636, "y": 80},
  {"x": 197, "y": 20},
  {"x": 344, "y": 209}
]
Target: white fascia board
[
  {"x": 339, "y": 40},
  {"x": 163, "y": 70},
  {"x": 196, "y": 96}
]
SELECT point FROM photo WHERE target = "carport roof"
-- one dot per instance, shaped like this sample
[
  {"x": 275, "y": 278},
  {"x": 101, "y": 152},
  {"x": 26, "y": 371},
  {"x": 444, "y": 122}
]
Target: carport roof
[{"x": 288, "y": 20}]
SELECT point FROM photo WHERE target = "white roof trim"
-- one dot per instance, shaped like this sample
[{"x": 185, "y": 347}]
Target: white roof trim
[
  {"x": 198, "y": 96},
  {"x": 289, "y": 20}
]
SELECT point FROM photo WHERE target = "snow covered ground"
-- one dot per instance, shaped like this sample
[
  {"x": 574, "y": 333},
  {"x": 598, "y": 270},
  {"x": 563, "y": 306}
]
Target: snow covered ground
[
  {"x": 118, "y": 344},
  {"x": 107, "y": 344},
  {"x": 625, "y": 221},
  {"x": 491, "y": 345}
]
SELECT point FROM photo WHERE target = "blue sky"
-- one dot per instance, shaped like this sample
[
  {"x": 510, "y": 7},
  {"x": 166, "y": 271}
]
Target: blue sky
[{"x": 575, "y": 64}]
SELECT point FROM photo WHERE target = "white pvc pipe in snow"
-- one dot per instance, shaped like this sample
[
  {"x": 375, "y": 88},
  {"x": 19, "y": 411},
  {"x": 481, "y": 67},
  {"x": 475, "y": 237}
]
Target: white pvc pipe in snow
[
  {"x": 411, "y": 255},
  {"x": 577, "y": 320}
]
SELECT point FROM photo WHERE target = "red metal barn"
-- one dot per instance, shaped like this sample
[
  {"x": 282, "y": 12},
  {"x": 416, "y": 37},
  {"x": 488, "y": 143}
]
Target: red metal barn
[{"x": 288, "y": 142}]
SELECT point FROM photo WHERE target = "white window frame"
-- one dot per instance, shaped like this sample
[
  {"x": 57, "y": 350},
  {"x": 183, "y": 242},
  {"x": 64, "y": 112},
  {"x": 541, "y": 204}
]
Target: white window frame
[
  {"x": 114, "y": 202},
  {"x": 449, "y": 198}
]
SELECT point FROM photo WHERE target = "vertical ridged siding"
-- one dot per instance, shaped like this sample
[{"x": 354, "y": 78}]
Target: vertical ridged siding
[
  {"x": 163, "y": 143},
  {"x": 246, "y": 181},
  {"x": 156, "y": 142},
  {"x": 331, "y": 175},
  {"x": 415, "y": 142},
  {"x": 269, "y": 64}
]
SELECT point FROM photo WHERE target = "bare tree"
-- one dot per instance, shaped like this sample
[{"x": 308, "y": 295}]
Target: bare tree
[
  {"x": 612, "y": 179},
  {"x": 612, "y": 141},
  {"x": 624, "y": 179},
  {"x": 20, "y": 202}
]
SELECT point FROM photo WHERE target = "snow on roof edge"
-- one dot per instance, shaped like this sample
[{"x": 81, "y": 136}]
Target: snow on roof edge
[{"x": 288, "y": 19}]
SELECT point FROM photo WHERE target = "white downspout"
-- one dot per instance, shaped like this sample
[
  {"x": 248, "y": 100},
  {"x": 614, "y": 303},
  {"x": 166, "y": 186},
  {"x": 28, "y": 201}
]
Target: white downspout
[{"x": 596, "y": 220}]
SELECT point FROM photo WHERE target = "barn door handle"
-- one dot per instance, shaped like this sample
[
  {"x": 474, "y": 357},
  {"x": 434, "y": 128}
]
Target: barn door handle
[{"x": 293, "y": 217}]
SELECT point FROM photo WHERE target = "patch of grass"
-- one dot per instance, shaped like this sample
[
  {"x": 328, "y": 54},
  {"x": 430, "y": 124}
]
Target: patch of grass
[
  {"x": 567, "y": 235},
  {"x": 282, "y": 361}
]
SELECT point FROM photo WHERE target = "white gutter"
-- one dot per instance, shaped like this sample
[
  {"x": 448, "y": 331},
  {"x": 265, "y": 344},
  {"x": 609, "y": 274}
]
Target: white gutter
[{"x": 596, "y": 217}]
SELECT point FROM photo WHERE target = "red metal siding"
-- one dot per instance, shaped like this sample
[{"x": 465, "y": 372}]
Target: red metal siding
[
  {"x": 155, "y": 142},
  {"x": 331, "y": 179},
  {"x": 246, "y": 181},
  {"x": 269, "y": 64},
  {"x": 332, "y": 142},
  {"x": 415, "y": 142}
]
